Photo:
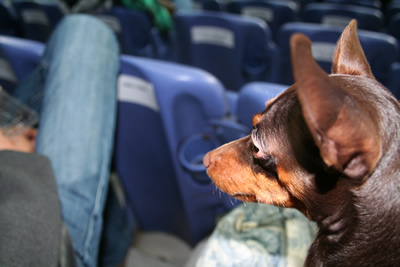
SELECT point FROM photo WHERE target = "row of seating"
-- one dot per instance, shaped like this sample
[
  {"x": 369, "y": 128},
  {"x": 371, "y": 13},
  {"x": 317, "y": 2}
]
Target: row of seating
[
  {"x": 36, "y": 20},
  {"x": 239, "y": 50},
  {"x": 370, "y": 14},
  {"x": 142, "y": 39},
  {"x": 170, "y": 115},
  {"x": 29, "y": 19}
]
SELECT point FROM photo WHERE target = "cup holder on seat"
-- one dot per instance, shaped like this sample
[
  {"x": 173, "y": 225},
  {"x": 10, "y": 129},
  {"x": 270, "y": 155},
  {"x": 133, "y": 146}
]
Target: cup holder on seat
[{"x": 191, "y": 154}]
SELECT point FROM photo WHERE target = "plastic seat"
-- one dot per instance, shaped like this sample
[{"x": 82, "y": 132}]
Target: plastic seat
[
  {"x": 274, "y": 13},
  {"x": 8, "y": 20},
  {"x": 331, "y": 14},
  {"x": 134, "y": 31},
  {"x": 209, "y": 5},
  {"x": 168, "y": 116},
  {"x": 392, "y": 9},
  {"x": 394, "y": 26},
  {"x": 233, "y": 48},
  {"x": 18, "y": 58},
  {"x": 302, "y": 3},
  {"x": 253, "y": 98},
  {"x": 380, "y": 49},
  {"x": 55, "y": 11},
  {"x": 367, "y": 3},
  {"x": 38, "y": 20}
]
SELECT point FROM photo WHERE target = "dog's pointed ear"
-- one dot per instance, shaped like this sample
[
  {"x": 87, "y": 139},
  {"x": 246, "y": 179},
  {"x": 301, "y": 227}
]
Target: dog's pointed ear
[
  {"x": 347, "y": 137},
  {"x": 349, "y": 57}
]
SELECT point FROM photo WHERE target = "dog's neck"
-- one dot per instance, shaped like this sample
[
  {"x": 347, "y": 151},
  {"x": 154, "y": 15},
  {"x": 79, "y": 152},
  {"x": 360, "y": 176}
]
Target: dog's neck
[
  {"x": 335, "y": 216},
  {"x": 363, "y": 223}
]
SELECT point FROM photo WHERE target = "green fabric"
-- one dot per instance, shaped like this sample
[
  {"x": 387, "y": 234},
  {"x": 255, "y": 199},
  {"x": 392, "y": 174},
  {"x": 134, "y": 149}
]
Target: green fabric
[{"x": 161, "y": 17}]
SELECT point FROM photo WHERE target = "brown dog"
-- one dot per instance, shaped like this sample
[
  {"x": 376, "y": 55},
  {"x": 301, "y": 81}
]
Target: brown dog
[{"x": 330, "y": 147}]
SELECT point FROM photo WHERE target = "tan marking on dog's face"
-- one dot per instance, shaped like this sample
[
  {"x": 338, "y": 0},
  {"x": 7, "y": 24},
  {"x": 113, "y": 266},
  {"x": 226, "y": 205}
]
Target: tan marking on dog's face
[
  {"x": 294, "y": 185},
  {"x": 241, "y": 168},
  {"x": 234, "y": 172},
  {"x": 256, "y": 119}
]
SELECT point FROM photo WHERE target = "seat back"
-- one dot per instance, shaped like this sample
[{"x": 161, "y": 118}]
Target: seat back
[
  {"x": 234, "y": 49},
  {"x": 8, "y": 20},
  {"x": 380, "y": 49},
  {"x": 274, "y": 13},
  {"x": 367, "y": 3},
  {"x": 55, "y": 11},
  {"x": 163, "y": 132},
  {"x": 133, "y": 29},
  {"x": 142, "y": 157},
  {"x": 18, "y": 58},
  {"x": 392, "y": 9},
  {"x": 331, "y": 14},
  {"x": 210, "y": 5},
  {"x": 253, "y": 98},
  {"x": 394, "y": 26},
  {"x": 38, "y": 20}
]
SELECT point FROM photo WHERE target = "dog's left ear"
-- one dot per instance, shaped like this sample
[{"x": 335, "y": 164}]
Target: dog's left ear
[{"x": 346, "y": 136}]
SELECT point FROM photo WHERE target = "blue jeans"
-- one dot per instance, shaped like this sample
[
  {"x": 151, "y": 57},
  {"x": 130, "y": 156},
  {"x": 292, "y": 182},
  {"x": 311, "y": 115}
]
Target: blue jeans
[{"x": 74, "y": 91}]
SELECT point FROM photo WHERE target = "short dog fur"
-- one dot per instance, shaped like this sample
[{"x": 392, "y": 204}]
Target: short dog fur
[{"x": 329, "y": 147}]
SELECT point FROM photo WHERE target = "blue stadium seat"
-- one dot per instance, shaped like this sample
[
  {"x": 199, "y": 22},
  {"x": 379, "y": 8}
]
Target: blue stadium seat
[
  {"x": 367, "y": 3},
  {"x": 134, "y": 31},
  {"x": 394, "y": 26},
  {"x": 392, "y": 9},
  {"x": 233, "y": 48},
  {"x": 331, "y": 14},
  {"x": 55, "y": 11},
  {"x": 303, "y": 2},
  {"x": 209, "y": 5},
  {"x": 38, "y": 20},
  {"x": 18, "y": 57},
  {"x": 8, "y": 79},
  {"x": 253, "y": 98},
  {"x": 168, "y": 116},
  {"x": 8, "y": 20},
  {"x": 274, "y": 13},
  {"x": 394, "y": 30},
  {"x": 142, "y": 157},
  {"x": 380, "y": 49}
]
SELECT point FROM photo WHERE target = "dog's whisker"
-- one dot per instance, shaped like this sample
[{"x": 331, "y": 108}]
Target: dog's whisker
[
  {"x": 230, "y": 199},
  {"x": 252, "y": 214}
]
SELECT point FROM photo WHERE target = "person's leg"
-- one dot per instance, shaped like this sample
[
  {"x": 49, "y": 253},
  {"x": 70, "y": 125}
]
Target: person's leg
[{"x": 79, "y": 71}]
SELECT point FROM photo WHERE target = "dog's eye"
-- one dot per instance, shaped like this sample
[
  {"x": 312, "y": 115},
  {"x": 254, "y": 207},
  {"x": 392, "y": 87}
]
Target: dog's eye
[{"x": 255, "y": 148}]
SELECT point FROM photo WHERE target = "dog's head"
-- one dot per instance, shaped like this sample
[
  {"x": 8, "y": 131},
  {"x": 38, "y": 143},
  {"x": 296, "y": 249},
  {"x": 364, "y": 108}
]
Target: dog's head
[{"x": 314, "y": 142}]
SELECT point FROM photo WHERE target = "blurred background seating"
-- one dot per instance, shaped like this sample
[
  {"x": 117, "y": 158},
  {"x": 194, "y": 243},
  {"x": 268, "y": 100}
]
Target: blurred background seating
[{"x": 184, "y": 92}]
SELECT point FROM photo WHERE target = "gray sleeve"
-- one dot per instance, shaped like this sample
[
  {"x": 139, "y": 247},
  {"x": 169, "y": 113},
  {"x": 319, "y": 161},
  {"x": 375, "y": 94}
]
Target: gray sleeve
[{"x": 30, "y": 216}]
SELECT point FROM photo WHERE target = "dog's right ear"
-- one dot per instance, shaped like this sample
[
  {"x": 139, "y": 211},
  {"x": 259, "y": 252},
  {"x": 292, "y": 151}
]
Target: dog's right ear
[
  {"x": 347, "y": 137},
  {"x": 349, "y": 57}
]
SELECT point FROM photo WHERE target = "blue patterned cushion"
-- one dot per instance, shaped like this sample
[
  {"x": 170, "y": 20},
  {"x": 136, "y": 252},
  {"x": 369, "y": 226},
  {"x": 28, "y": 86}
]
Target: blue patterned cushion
[{"x": 259, "y": 235}]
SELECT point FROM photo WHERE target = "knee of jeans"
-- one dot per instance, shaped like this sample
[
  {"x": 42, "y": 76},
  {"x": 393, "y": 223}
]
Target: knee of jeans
[{"x": 85, "y": 29}]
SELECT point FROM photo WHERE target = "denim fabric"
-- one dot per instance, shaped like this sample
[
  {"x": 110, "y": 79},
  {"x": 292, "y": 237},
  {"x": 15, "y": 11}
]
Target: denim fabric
[{"x": 74, "y": 90}]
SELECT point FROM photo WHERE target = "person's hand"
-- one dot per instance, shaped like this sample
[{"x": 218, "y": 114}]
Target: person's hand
[{"x": 23, "y": 142}]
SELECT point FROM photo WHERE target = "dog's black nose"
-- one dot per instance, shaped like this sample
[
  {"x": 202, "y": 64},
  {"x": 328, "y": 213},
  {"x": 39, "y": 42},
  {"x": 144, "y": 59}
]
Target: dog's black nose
[{"x": 206, "y": 160}]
